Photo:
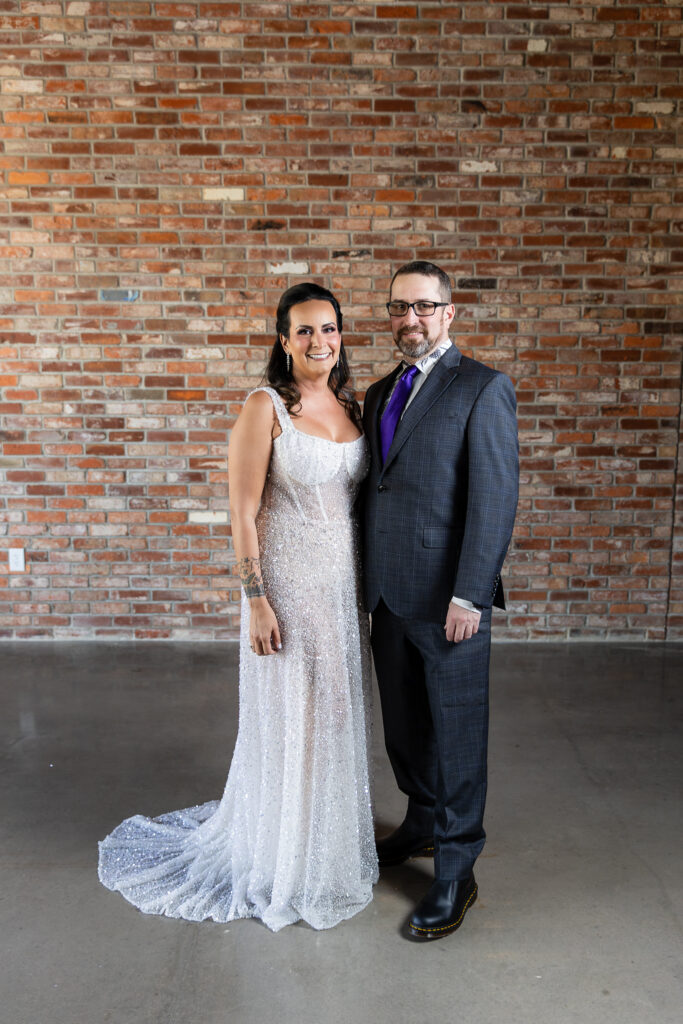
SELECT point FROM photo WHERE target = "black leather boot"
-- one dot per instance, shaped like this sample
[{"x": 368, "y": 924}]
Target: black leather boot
[
  {"x": 402, "y": 844},
  {"x": 443, "y": 909}
]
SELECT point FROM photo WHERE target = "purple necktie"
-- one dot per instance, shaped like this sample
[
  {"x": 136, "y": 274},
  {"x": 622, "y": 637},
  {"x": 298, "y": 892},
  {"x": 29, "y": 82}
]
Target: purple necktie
[{"x": 395, "y": 406}]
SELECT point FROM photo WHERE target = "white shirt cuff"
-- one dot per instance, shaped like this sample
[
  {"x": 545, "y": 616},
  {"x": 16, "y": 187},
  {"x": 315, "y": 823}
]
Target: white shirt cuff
[{"x": 465, "y": 604}]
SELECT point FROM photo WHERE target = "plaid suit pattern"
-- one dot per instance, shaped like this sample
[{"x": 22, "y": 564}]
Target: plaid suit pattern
[{"x": 438, "y": 516}]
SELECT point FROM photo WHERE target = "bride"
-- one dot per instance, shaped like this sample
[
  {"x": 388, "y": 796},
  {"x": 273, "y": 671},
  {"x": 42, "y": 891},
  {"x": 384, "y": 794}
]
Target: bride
[{"x": 292, "y": 837}]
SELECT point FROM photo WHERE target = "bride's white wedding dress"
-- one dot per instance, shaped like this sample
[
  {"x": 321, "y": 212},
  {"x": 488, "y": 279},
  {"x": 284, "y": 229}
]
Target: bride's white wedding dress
[{"x": 292, "y": 837}]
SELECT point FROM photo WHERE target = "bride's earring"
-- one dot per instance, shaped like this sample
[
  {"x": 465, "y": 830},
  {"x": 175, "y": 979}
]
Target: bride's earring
[{"x": 289, "y": 362}]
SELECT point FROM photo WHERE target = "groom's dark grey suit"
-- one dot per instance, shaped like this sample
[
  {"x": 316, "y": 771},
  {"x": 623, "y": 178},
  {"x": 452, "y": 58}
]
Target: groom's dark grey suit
[{"x": 438, "y": 517}]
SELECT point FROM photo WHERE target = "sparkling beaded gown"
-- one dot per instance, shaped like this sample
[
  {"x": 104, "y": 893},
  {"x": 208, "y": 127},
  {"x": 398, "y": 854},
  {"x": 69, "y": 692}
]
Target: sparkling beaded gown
[{"x": 292, "y": 838}]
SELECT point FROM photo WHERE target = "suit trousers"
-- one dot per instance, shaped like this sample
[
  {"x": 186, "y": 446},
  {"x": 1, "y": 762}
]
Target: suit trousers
[{"x": 434, "y": 698}]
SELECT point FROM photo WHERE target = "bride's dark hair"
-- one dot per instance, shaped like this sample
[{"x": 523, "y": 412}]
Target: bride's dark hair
[{"x": 277, "y": 374}]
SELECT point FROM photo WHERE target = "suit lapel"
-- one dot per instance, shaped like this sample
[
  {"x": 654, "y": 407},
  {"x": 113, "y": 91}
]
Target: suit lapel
[{"x": 445, "y": 371}]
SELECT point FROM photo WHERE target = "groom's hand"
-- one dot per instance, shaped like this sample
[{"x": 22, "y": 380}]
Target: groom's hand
[{"x": 461, "y": 624}]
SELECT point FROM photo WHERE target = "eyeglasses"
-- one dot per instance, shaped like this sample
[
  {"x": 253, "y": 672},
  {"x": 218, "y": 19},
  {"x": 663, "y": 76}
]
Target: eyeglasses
[{"x": 423, "y": 307}]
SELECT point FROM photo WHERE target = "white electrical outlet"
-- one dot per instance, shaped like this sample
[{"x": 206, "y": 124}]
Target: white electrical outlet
[{"x": 16, "y": 560}]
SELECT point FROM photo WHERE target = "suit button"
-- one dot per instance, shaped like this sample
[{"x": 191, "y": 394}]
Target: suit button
[{"x": 381, "y": 487}]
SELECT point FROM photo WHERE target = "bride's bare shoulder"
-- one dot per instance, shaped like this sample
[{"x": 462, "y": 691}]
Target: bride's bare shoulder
[{"x": 258, "y": 415}]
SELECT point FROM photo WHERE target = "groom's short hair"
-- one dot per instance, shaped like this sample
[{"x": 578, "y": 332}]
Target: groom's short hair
[{"x": 427, "y": 269}]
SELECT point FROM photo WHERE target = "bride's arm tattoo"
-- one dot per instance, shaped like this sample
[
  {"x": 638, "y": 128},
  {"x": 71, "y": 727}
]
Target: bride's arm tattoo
[{"x": 250, "y": 575}]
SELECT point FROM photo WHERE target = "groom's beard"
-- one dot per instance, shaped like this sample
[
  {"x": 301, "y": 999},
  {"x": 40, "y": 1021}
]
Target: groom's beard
[{"x": 414, "y": 348}]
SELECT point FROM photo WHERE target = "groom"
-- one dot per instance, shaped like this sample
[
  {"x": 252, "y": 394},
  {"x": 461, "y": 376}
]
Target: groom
[{"x": 439, "y": 509}]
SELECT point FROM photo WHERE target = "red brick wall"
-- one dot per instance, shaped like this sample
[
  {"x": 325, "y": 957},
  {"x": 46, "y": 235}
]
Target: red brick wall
[
  {"x": 169, "y": 168},
  {"x": 674, "y": 626}
]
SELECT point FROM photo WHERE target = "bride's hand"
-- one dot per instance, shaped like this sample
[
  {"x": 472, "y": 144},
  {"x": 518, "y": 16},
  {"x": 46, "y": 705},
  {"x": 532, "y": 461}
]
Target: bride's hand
[{"x": 264, "y": 632}]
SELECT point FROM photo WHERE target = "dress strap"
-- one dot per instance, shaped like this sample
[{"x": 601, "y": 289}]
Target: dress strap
[{"x": 279, "y": 406}]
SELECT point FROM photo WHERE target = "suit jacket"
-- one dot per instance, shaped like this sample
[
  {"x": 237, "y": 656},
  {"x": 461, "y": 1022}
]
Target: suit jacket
[{"x": 438, "y": 515}]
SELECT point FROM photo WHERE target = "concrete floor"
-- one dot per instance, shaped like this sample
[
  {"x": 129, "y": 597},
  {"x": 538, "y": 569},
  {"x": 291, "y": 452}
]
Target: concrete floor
[{"x": 579, "y": 915}]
